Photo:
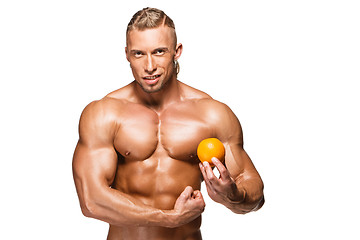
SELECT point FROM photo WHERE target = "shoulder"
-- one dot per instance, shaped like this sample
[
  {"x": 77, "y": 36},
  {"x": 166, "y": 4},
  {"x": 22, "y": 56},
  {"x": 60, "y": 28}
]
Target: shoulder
[
  {"x": 216, "y": 110},
  {"x": 100, "y": 109},
  {"x": 100, "y": 119},
  {"x": 217, "y": 115},
  {"x": 221, "y": 118}
]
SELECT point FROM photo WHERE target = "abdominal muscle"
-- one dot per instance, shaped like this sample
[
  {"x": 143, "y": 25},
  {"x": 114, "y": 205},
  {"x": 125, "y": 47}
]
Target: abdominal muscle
[
  {"x": 190, "y": 231},
  {"x": 157, "y": 182}
]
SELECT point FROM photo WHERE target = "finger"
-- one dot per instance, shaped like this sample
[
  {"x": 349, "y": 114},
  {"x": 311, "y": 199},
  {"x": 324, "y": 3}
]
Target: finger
[
  {"x": 199, "y": 198},
  {"x": 212, "y": 182},
  {"x": 202, "y": 170},
  {"x": 206, "y": 180},
  {"x": 224, "y": 173},
  {"x": 197, "y": 194},
  {"x": 210, "y": 174},
  {"x": 187, "y": 192}
]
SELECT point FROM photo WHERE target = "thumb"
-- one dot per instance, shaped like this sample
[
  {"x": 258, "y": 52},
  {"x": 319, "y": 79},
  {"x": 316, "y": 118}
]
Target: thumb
[
  {"x": 188, "y": 191},
  {"x": 184, "y": 197}
]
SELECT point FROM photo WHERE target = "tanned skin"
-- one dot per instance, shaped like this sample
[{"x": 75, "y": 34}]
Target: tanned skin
[{"x": 135, "y": 165}]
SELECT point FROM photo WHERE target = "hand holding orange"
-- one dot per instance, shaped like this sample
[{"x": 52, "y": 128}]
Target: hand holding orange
[{"x": 209, "y": 148}]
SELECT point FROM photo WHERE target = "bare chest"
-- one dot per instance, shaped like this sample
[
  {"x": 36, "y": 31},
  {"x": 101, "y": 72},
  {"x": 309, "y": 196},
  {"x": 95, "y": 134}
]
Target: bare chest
[{"x": 174, "y": 133}]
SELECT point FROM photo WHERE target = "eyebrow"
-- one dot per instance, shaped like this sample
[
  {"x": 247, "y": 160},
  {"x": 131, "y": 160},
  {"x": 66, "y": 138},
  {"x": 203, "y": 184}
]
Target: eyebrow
[
  {"x": 165, "y": 49},
  {"x": 135, "y": 51}
]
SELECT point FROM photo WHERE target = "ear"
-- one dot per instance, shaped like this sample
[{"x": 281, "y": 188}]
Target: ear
[
  {"x": 126, "y": 54},
  {"x": 178, "y": 51}
]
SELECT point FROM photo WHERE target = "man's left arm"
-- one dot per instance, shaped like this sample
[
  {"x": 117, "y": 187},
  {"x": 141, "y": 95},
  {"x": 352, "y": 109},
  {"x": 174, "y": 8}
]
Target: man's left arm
[{"x": 239, "y": 186}]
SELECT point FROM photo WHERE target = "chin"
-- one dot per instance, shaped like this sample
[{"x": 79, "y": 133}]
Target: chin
[{"x": 151, "y": 89}]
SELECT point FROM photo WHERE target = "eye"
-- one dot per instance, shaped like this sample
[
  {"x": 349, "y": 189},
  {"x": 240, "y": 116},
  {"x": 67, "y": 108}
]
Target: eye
[
  {"x": 138, "y": 54},
  {"x": 159, "y": 52}
]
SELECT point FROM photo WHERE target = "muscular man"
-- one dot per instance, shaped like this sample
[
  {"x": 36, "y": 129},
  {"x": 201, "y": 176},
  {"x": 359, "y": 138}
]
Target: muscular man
[{"x": 135, "y": 165}]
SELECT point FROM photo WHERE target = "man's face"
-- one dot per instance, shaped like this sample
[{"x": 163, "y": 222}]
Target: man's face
[{"x": 151, "y": 54}]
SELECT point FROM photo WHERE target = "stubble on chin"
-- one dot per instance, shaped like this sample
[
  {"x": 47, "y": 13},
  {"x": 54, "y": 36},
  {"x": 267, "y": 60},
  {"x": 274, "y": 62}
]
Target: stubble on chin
[{"x": 149, "y": 89}]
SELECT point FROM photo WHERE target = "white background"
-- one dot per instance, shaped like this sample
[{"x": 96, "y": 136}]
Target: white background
[{"x": 288, "y": 69}]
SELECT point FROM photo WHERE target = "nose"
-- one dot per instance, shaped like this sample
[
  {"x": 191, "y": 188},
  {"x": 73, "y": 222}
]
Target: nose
[{"x": 150, "y": 65}]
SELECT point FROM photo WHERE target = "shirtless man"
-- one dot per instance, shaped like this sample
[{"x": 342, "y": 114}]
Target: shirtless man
[{"x": 135, "y": 165}]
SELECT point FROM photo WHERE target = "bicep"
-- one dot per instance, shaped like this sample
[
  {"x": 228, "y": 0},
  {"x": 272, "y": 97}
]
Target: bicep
[
  {"x": 96, "y": 166},
  {"x": 239, "y": 163},
  {"x": 95, "y": 159},
  {"x": 93, "y": 171},
  {"x": 230, "y": 133}
]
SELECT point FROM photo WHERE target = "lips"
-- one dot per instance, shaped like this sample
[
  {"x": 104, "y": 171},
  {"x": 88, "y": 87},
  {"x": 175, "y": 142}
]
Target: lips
[{"x": 151, "y": 80}]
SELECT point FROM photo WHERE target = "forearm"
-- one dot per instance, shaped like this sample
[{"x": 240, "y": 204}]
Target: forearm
[
  {"x": 117, "y": 208},
  {"x": 251, "y": 197}
]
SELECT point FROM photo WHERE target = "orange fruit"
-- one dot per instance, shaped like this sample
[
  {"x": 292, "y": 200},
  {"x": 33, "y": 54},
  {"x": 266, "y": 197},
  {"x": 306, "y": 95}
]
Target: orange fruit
[{"x": 209, "y": 148}]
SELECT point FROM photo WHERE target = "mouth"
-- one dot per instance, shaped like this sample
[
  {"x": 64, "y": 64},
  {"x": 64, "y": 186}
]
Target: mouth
[{"x": 151, "y": 80}]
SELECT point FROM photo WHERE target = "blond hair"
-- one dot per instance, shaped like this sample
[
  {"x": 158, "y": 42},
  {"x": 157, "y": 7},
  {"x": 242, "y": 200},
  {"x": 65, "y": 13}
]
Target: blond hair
[{"x": 149, "y": 18}]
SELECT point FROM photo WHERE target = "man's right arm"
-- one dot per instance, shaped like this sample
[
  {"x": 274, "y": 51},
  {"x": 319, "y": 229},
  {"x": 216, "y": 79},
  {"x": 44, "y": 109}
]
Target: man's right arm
[{"x": 94, "y": 167}]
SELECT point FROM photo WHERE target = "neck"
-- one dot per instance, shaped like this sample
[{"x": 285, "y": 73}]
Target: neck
[{"x": 161, "y": 99}]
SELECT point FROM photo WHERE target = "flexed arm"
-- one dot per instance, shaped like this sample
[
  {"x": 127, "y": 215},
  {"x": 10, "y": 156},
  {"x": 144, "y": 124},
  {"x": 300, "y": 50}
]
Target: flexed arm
[
  {"x": 94, "y": 167},
  {"x": 239, "y": 186}
]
